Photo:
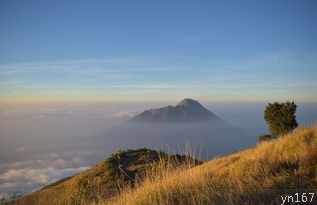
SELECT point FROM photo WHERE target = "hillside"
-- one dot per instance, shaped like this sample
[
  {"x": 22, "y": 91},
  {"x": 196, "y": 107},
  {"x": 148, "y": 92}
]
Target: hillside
[
  {"x": 120, "y": 170},
  {"x": 261, "y": 174}
]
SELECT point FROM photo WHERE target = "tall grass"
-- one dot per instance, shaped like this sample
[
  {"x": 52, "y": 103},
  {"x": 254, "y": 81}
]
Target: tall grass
[
  {"x": 94, "y": 192},
  {"x": 254, "y": 176}
]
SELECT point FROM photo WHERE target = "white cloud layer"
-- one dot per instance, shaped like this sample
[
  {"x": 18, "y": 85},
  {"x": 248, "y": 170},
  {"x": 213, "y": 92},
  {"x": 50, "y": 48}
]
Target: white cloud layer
[
  {"x": 25, "y": 177},
  {"x": 27, "y": 180}
]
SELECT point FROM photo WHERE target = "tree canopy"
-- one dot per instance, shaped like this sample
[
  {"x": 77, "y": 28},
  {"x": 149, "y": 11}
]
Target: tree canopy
[{"x": 280, "y": 117}]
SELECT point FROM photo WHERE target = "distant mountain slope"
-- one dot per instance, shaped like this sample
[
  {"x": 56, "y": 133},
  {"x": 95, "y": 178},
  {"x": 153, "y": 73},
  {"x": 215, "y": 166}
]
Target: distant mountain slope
[
  {"x": 175, "y": 127},
  {"x": 105, "y": 180},
  {"x": 260, "y": 175},
  {"x": 188, "y": 110}
]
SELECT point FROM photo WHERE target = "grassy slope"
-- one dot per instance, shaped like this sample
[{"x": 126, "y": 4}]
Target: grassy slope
[
  {"x": 101, "y": 182},
  {"x": 246, "y": 177},
  {"x": 286, "y": 163}
]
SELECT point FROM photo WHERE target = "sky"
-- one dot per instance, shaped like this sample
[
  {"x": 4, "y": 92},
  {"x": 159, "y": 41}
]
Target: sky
[{"x": 96, "y": 51}]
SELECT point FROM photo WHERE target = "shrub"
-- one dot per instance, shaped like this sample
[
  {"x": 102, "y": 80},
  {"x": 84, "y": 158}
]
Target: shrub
[
  {"x": 265, "y": 138},
  {"x": 280, "y": 117}
]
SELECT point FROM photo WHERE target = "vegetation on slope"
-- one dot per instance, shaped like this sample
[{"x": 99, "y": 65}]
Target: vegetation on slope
[
  {"x": 258, "y": 175},
  {"x": 122, "y": 170}
]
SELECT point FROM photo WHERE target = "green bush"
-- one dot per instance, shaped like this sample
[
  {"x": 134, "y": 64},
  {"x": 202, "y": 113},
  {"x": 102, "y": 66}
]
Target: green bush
[
  {"x": 265, "y": 138},
  {"x": 280, "y": 117}
]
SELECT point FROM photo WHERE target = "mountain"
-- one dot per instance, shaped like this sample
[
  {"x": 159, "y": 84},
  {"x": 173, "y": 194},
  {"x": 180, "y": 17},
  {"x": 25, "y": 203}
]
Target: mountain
[
  {"x": 260, "y": 175},
  {"x": 187, "y": 111},
  {"x": 105, "y": 180},
  {"x": 175, "y": 128}
]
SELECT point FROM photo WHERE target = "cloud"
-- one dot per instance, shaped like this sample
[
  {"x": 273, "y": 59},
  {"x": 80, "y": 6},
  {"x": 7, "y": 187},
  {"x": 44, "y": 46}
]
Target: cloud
[
  {"x": 90, "y": 110},
  {"x": 53, "y": 155},
  {"x": 25, "y": 149},
  {"x": 38, "y": 176},
  {"x": 125, "y": 114},
  {"x": 117, "y": 78},
  {"x": 25, "y": 176},
  {"x": 68, "y": 161},
  {"x": 28, "y": 179}
]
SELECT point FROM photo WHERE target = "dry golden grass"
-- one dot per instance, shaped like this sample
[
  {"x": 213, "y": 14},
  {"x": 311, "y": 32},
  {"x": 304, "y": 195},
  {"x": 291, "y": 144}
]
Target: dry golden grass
[
  {"x": 248, "y": 177},
  {"x": 107, "y": 179}
]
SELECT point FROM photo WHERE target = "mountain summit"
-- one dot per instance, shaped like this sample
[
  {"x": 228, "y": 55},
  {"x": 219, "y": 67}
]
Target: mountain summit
[
  {"x": 187, "y": 111},
  {"x": 188, "y": 102}
]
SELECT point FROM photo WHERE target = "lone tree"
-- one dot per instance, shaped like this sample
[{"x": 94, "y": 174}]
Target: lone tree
[{"x": 280, "y": 117}]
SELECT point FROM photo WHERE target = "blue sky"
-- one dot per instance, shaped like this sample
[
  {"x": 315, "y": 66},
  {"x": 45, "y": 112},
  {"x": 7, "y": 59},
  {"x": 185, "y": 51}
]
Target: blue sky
[{"x": 78, "y": 51}]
